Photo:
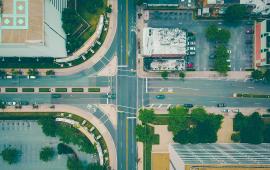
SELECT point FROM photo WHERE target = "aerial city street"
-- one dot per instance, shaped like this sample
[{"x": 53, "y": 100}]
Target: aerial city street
[{"x": 135, "y": 84}]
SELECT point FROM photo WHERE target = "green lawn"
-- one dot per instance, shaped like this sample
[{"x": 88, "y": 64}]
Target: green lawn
[
  {"x": 60, "y": 89},
  {"x": 28, "y": 90},
  {"x": 93, "y": 89},
  {"x": 77, "y": 89},
  {"x": 11, "y": 90},
  {"x": 44, "y": 89},
  {"x": 248, "y": 95}
]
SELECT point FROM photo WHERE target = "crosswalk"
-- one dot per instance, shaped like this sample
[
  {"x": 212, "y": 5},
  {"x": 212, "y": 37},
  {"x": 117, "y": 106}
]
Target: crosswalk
[{"x": 59, "y": 4}]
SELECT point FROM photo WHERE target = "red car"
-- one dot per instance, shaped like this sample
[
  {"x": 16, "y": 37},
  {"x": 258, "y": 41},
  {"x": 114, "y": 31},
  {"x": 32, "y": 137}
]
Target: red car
[{"x": 189, "y": 65}]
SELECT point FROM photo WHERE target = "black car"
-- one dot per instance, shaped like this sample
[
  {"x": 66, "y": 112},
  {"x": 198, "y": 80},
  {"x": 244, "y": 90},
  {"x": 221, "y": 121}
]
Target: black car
[
  {"x": 188, "y": 105},
  {"x": 221, "y": 105}
]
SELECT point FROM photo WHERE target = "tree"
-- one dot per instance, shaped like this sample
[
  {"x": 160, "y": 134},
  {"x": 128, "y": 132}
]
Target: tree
[
  {"x": 211, "y": 32},
  {"x": 221, "y": 64},
  {"x": 94, "y": 6},
  {"x": 70, "y": 20},
  {"x": 146, "y": 116},
  {"x": 165, "y": 75},
  {"x": 141, "y": 133},
  {"x": 109, "y": 9},
  {"x": 235, "y": 13},
  {"x": 235, "y": 137},
  {"x": 46, "y": 154},
  {"x": 267, "y": 75},
  {"x": 48, "y": 126},
  {"x": 96, "y": 166},
  {"x": 11, "y": 155},
  {"x": 3, "y": 73},
  {"x": 182, "y": 75},
  {"x": 257, "y": 75},
  {"x": 266, "y": 134},
  {"x": 238, "y": 121},
  {"x": 177, "y": 120},
  {"x": 215, "y": 34},
  {"x": 252, "y": 130},
  {"x": 33, "y": 72},
  {"x": 182, "y": 137},
  {"x": 64, "y": 149},
  {"x": 50, "y": 72},
  {"x": 139, "y": 2},
  {"x": 74, "y": 163},
  {"x": 15, "y": 72},
  {"x": 2, "y": 104}
]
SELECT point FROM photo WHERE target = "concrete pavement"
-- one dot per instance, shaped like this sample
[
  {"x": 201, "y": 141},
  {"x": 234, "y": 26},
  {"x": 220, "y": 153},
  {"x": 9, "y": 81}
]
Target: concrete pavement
[{"x": 84, "y": 114}]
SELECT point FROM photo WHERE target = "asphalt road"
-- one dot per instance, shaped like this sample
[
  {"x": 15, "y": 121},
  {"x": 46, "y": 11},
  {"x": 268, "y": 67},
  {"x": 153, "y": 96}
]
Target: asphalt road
[
  {"x": 205, "y": 92},
  {"x": 127, "y": 83}
]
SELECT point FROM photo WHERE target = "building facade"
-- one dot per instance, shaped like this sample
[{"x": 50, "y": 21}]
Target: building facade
[{"x": 262, "y": 44}]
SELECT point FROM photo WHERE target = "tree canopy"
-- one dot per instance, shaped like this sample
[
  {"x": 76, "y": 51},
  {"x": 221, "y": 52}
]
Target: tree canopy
[
  {"x": 221, "y": 64},
  {"x": 235, "y": 13},
  {"x": 165, "y": 75},
  {"x": 46, "y": 154},
  {"x": 257, "y": 75},
  {"x": 146, "y": 116},
  {"x": 198, "y": 127},
  {"x": 215, "y": 34},
  {"x": 11, "y": 155}
]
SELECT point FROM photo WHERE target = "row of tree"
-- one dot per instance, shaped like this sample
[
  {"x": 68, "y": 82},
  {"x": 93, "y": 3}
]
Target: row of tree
[
  {"x": 221, "y": 63},
  {"x": 165, "y": 75},
  {"x": 195, "y": 127},
  {"x": 250, "y": 129}
]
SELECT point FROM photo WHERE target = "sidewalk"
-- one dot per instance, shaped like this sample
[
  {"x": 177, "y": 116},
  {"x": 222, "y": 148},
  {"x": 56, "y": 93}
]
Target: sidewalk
[{"x": 82, "y": 113}]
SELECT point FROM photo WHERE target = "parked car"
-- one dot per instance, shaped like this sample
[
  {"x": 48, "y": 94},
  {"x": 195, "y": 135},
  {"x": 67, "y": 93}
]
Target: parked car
[
  {"x": 191, "y": 53},
  {"x": 111, "y": 96},
  {"x": 31, "y": 77},
  {"x": 225, "y": 110},
  {"x": 188, "y": 105},
  {"x": 9, "y": 77},
  {"x": 11, "y": 103},
  {"x": 24, "y": 103},
  {"x": 192, "y": 48},
  {"x": 161, "y": 96},
  {"x": 189, "y": 65},
  {"x": 229, "y": 51},
  {"x": 221, "y": 105}
]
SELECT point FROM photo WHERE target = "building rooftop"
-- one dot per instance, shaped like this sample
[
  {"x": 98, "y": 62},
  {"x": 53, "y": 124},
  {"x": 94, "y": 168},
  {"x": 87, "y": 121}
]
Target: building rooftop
[
  {"x": 164, "y": 42},
  {"x": 237, "y": 153},
  {"x": 162, "y": 1}
]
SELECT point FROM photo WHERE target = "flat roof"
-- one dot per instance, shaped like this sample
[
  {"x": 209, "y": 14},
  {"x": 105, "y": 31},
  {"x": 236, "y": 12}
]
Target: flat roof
[
  {"x": 22, "y": 22},
  {"x": 164, "y": 42},
  {"x": 162, "y": 1},
  {"x": 229, "y": 154}
]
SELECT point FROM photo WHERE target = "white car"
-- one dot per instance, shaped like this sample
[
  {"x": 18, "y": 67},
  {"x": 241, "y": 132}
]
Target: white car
[
  {"x": 228, "y": 60},
  {"x": 9, "y": 77},
  {"x": 192, "y": 48},
  {"x": 31, "y": 77},
  {"x": 229, "y": 51}
]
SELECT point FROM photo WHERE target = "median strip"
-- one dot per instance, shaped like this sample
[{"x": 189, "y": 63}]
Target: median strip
[{"x": 249, "y": 95}]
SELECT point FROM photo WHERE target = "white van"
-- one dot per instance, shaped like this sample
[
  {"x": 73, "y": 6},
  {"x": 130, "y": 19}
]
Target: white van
[{"x": 31, "y": 77}]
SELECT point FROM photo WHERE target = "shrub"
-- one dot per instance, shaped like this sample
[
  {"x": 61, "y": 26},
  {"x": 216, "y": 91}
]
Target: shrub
[
  {"x": 64, "y": 149},
  {"x": 46, "y": 154},
  {"x": 11, "y": 155},
  {"x": 235, "y": 137}
]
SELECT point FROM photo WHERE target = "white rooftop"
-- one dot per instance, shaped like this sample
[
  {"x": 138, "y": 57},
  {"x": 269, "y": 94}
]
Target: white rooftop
[
  {"x": 261, "y": 6},
  {"x": 164, "y": 42}
]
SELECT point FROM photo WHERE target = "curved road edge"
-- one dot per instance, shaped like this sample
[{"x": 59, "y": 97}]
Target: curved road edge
[
  {"x": 83, "y": 114},
  {"x": 101, "y": 51}
]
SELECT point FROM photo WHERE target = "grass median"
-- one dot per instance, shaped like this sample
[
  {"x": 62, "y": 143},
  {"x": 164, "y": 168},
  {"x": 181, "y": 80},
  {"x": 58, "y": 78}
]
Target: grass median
[
  {"x": 248, "y": 95},
  {"x": 60, "y": 89},
  {"x": 93, "y": 89},
  {"x": 11, "y": 90},
  {"x": 44, "y": 90},
  {"x": 77, "y": 90},
  {"x": 29, "y": 90}
]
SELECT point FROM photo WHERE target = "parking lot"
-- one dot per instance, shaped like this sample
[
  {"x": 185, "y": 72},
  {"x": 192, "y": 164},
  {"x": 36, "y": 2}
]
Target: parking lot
[{"x": 241, "y": 55}]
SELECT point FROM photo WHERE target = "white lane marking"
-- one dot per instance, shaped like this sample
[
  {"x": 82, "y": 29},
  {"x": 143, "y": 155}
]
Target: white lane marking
[
  {"x": 146, "y": 85},
  {"x": 251, "y": 87}
]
